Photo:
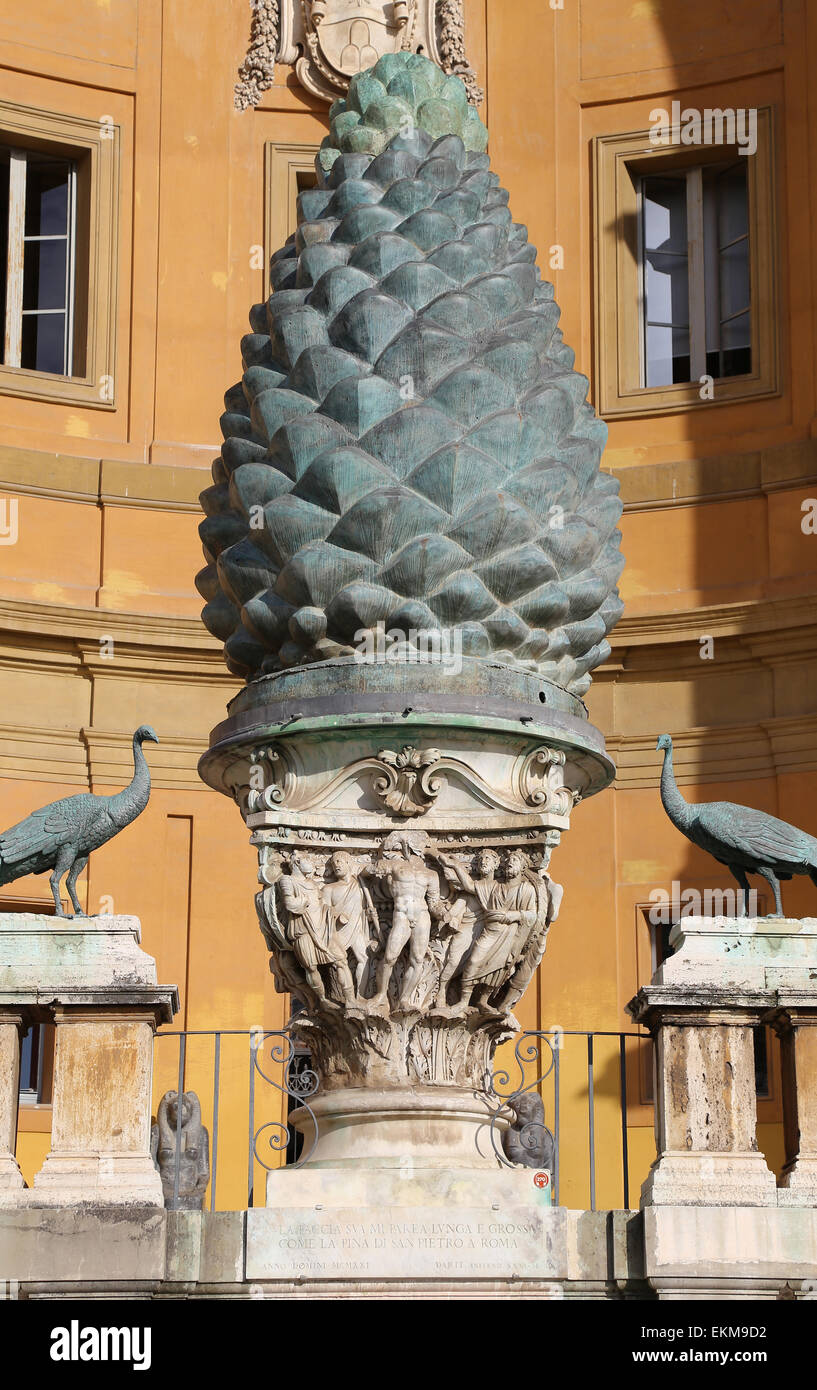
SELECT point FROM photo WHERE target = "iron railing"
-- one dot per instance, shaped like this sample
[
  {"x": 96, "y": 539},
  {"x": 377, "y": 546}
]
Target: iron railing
[{"x": 575, "y": 1080}]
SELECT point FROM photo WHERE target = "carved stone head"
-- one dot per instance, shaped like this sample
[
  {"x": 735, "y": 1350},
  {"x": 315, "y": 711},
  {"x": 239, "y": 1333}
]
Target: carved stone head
[
  {"x": 486, "y": 862},
  {"x": 341, "y": 864},
  {"x": 513, "y": 864}
]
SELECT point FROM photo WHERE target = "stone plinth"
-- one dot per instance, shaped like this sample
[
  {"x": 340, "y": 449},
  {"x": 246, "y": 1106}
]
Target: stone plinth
[
  {"x": 727, "y": 976},
  {"x": 737, "y": 1252},
  {"x": 754, "y": 953},
  {"x": 426, "y": 1127},
  {"x": 705, "y": 1106},
  {"x": 92, "y": 980}
]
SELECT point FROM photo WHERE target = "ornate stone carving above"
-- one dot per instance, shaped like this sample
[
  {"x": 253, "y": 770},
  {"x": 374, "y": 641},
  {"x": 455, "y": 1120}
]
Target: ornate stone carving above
[
  {"x": 542, "y": 782},
  {"x": 257, "y": 72},
  {"x": 407, "y": 786},
  {"x": 329, "y": 41},
  {"x": 407, "y": 960}
]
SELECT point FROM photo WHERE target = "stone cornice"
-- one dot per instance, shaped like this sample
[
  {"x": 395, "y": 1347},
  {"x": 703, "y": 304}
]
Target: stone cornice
[
  {"x": 644, "y": 486},
  {"x": 720, "y": 753}
]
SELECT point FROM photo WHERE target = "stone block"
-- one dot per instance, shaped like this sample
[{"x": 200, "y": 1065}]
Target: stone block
[
  {"x": 51, "y": 958},
  {"x": 752, "y": 953},
  {"x": 728, "y": 1252},
  {"x": 222, "y": 1247},
  {"x": 184, "y": 1237},
  {"x": 80, "y": 1244}
]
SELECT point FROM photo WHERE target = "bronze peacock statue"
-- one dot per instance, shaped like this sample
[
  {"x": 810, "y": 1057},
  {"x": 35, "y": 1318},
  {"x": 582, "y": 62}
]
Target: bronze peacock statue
[
  {"x": 61, "y": 836},
  {"x": 745, "y": 840}
]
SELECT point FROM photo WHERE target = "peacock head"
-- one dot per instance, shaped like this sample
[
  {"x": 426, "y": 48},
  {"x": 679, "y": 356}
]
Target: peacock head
[
  {"x": 145, "y": 732},
  {"x": 664, "y": 742}
]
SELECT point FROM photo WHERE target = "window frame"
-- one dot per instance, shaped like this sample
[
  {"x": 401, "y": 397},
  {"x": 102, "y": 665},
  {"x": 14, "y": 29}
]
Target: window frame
[
  {"x": 619, "y": 162},
  {"x": 284, "y": 161},
  {"x": 94, "y": 145}
]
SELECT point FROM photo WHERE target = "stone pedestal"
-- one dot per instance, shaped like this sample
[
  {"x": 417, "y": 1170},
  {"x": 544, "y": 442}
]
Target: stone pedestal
[
  {"x": 795, "y": 1022},
  {"x": 419, "y": 1128},
  {"x": 91, "y": 979},
  {"x": 100, "y": 1138},
  {"x": 705, "y": 1108},
  {"x": 725, "y": 977},
  {"x": 13, "y": 1025}
]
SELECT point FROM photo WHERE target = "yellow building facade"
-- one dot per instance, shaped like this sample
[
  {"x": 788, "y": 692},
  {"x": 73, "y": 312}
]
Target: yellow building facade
[{"x": 181, "y": 198}]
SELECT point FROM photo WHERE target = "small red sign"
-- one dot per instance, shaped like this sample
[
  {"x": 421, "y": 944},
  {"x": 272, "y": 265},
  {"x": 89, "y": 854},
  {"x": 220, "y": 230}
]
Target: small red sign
[{"x": 541, "y": 1179}]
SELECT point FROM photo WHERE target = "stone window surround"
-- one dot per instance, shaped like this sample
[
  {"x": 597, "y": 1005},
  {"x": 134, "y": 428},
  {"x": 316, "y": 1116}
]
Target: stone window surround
[
  {"x": 617, "y": 302},
  {"x": 289, "y": 167},
  {"x": 95, "y": 145}
]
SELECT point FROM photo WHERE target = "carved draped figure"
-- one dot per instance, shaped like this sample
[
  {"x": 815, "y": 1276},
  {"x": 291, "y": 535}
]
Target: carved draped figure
[{"x": 511, "y": 897}]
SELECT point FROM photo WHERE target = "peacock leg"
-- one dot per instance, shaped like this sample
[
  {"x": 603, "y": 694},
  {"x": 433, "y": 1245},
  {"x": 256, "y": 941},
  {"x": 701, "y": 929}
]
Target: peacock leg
[
  {"x": 740, "y": 875},
  {"x": 771, "y": 877},
  {"x": 70, "y": 884},
  {"x": 64, "y": 860}
]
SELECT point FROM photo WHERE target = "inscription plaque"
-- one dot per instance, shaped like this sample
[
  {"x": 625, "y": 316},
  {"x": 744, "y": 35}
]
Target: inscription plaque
[{"x": 401, "y": 1242}]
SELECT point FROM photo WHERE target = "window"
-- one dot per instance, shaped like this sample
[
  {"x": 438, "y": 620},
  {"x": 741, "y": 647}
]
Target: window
[
  {"x": 38, "y": 196},
  {"x": 696, "y": 297},
  {"x": 58, "y": 240},
  {"x": 685, "y": 273},
  {"x": 37, "y": 1064}
]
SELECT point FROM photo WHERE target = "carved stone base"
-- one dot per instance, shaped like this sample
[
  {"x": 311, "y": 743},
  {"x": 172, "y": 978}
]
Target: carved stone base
[
  {"x": 710, "y": 1179},
  {"x": 107, "y": 1179},
  {"x": 798, "y": 1187},
  {"x": 417, "y": 1128}
]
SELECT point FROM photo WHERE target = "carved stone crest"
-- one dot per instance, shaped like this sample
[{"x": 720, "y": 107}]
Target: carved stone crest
[{"x": 328, "y": 41}]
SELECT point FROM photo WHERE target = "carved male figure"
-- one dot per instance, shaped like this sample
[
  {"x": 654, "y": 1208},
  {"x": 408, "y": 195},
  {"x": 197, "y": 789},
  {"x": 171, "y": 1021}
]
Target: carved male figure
[
  {"x": 351, "y": 911},
  {"x": 531, "y": 949},
  {"x": 466, "y": 916},
  {"x": 510, "y": 913},
  {"x": 309, "y": 927},
  {"x": 415, "y": 892}
]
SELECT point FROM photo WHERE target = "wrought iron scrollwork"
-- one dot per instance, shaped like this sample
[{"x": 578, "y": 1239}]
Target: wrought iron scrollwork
[
  {"x": 299, "y": 1081},
  {"x": 533, "y": 1141}
]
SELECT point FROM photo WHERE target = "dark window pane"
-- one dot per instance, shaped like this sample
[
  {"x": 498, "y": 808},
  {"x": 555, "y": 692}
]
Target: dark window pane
[
  {"x": 43, "y": 348},
  {"x": 761, "y": 1061},
  {"x": 733, "y": 204},
  {"x": 44, "y": 275},
  {"x": 46, "y": 197},
  {"x": 30, "y": 1058},
  {"x": 734, "y": 277},
  {"x": 737, "y": 361}
]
